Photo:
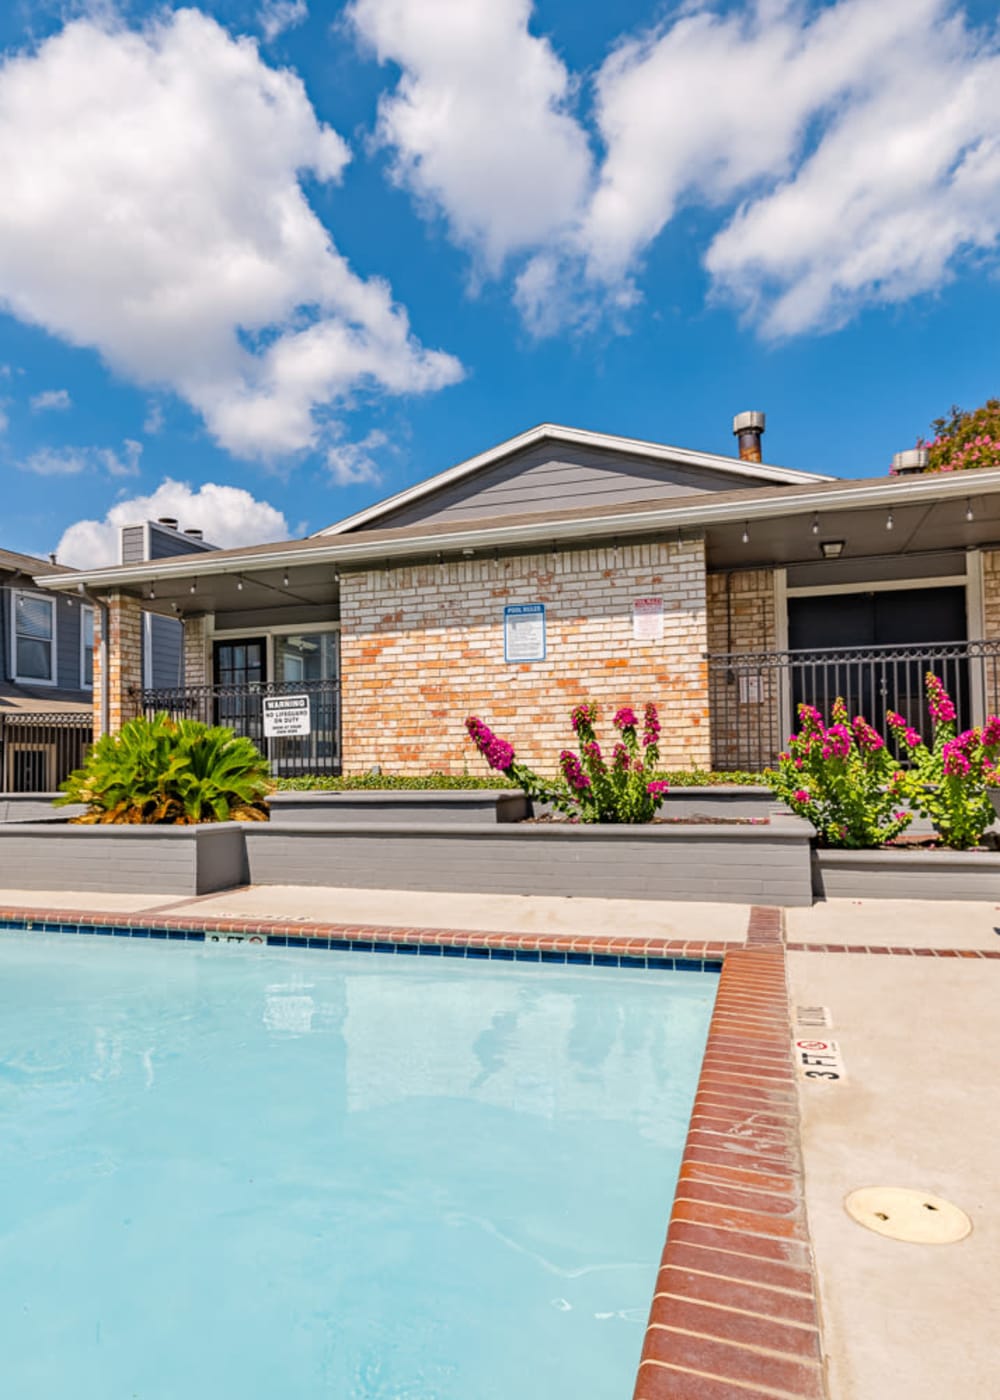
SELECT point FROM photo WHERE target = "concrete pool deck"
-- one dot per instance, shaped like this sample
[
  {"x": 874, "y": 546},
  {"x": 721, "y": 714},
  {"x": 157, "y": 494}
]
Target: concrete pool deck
[
  {"x": 919, "y": 1038},
  {"x": 487, "y": 913}
]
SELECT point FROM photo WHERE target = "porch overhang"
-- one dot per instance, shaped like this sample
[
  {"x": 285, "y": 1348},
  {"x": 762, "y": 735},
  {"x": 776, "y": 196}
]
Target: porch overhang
[{"x": 928, "y": 513}]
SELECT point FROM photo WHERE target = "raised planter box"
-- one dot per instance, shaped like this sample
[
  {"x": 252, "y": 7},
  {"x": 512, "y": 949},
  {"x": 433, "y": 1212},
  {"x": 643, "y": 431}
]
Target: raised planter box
[
  {"x": 719, "y": 801},
  {"x": 906, "y": 874},
  {"x": 478, "y": 805},
  {"x": 736, "y": 864},
  {"x": 34, "y": 806},
  {"x": 181, "y": 860}
]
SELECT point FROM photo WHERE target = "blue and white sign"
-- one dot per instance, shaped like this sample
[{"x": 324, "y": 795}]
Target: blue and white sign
[{"x": 524, "y": 632}]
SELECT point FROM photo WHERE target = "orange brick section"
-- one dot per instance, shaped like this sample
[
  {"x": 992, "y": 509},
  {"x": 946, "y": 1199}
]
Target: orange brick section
[
  {"x": 124, "y": 661},
  {"x": 423, "y": 647},
  {"x": 734, "y": 1316}
]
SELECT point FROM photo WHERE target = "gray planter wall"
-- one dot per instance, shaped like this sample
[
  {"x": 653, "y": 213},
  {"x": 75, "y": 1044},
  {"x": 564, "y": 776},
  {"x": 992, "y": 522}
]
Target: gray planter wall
[
  {"x": 181, "y": 860},
  {"x": 35, "y": 806},
  {"x": 478, "y": 805},
  {"x": 906, "y": 874},
  {"x": 739, "y": 864}
]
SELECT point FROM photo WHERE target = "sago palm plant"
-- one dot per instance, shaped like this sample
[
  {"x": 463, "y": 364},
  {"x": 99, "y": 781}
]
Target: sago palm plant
[{"x": 162, "y": 770}]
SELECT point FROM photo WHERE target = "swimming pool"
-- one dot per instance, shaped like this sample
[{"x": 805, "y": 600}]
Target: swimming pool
[{"x": 227, "y": 1173}]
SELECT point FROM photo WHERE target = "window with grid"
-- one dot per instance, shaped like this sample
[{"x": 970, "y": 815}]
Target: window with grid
[{"x": 34, "y": 638}]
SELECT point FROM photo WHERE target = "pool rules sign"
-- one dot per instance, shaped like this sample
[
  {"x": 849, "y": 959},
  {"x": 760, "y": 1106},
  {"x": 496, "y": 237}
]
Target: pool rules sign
[{"x": 286, "y": 716}]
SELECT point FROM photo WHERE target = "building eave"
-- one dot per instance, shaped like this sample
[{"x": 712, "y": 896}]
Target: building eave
[{"x": 700, "y": 514}]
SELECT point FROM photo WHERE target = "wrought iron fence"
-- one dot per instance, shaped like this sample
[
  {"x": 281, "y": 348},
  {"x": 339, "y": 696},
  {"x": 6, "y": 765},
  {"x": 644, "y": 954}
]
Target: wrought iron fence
[
  {"x": 754, "y": 696},
  {"x": 39, "y": 750},
  {"x": 241, "y": 708}
]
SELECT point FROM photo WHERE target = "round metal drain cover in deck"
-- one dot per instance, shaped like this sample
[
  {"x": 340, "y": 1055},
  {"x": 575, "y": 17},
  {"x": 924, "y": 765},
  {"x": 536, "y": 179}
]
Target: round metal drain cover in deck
[{"x": 914, "y": 1216}]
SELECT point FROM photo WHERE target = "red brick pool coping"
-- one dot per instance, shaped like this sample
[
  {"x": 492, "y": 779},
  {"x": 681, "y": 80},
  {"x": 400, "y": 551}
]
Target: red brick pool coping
[
  {"x": 695, "y": 950},
  {"x": 734, "y": 1314}
]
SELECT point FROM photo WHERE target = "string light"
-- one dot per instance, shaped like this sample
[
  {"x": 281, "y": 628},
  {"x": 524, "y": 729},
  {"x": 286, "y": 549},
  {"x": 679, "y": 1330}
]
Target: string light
[
  {"x": 815, "y": 525},
  {"x": 239, "y": 584},
  {"x": 194, "y": 586},
  {"x": 284, "y": 579},
  {"x": 888, "y": 521},
  {"x": 152, "y": 591},
  {"x": 746, "y": 533},
  {"x": 968, "y": 512}
]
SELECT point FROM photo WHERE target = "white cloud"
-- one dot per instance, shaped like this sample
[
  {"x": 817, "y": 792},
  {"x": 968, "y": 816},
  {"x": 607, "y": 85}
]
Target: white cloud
[
  {"x": 153, "y": 421},
  {"x": 353, "y": 462},
  {"x": 58, "y": 399},
  {"x": 124, "y": 463},
  {"x": 72, "y": 461},
  {"x": 275, "y": 16},
  {"x": 58, "y": 461},
  {"x": 228, "y": 516},
  {"x": 153, "y": 211},
  {"x": 851, "y": 149},
  {"x": 479, "y": 122}
]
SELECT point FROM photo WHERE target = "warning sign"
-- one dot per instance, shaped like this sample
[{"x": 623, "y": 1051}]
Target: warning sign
[{"x": 286, "y": 715}]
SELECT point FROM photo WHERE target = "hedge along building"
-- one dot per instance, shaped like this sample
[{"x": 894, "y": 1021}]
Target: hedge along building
[{"x": 563, "y": 565}]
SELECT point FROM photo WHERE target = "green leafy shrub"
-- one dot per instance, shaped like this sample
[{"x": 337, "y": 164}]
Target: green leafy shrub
[
  {"x": 621, "y": 790},
  {"x": 390, "y": 782},
  {"x": 949, "y": 780},
  {"x": 843, "y": 779},
  {"x": 169, "y": 771}
]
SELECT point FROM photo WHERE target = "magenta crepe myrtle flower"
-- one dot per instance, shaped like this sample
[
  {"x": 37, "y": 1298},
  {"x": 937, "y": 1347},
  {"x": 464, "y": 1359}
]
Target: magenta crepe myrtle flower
[{"x": 625, "y": 718}]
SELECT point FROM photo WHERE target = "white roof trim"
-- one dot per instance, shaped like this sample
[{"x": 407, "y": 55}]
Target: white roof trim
[
  {"x": 655, "y": 451},
  {"x": 891, "y": 492}
]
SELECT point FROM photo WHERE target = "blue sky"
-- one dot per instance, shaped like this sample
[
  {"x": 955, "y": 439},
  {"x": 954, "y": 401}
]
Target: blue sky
[{"x": 263, "y": 262}]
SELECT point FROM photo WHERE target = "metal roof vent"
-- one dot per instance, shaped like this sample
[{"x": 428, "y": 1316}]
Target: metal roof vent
[
  {"x": 195, "y": 534},
  {"x": 168, "y": 520},
  {"x": 748, "y": 429},
  {"x": 911, "y": 462}
]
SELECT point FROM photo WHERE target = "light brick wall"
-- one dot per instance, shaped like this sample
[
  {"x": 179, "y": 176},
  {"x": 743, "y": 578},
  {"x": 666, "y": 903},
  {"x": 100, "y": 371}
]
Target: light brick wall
[
  {"x": 991, "y": 625},
  {"x": 422, "y": 648},
  {"x": 196, "y": 659},
  {"x": 124, "y": 661},
  {"x": 744, "y": 699}
]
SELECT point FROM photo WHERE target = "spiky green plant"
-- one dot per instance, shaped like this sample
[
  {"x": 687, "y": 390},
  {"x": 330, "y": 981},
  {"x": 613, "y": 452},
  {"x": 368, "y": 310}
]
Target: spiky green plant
[{"x": 162, "y": 770}]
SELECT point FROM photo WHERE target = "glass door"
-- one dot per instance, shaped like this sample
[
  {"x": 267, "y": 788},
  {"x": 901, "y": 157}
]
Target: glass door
[{"x": 240, "y": 676}]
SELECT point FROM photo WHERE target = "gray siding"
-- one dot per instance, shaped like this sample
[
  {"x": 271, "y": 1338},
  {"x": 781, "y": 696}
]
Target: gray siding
[
  {"x": 133, "y": 550},
  {"x": 164, "y": 651},
  {"x": 558, "y": 476},
  {"x": 68, "y": 659}
]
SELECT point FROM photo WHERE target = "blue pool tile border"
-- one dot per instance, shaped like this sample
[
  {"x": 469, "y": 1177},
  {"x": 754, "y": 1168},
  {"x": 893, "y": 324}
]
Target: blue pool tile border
[{"x": 578, "y": 957}]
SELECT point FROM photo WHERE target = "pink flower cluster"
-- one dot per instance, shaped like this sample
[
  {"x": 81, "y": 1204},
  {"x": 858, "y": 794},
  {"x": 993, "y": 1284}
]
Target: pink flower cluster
[
  {"x": 657, "y": 789},
  {"x": 583, "y": 716},
  {"x": 939, "y": 703},
  {"x": 572, "y": 771},
  {"x": 651, "y": 726},
  {"x": 910, "y": 736},
  {"x": 497, "y": 752},
  {"x": 957, "y": 753},
  {"x": 625, "y": 718}
]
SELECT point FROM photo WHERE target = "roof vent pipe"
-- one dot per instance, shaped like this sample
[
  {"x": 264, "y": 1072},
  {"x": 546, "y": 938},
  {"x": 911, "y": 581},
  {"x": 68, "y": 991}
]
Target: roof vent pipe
[
  {"x": 195, "y": 534},
  {"x": 911, "y": 462},
  {"x": 168, "y": 520},
  {"x": 748, "y": 429}
]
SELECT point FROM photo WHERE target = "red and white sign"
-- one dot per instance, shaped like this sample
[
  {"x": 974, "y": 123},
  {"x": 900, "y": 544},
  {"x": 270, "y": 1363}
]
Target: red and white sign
[{"x": 647, "y": 619}]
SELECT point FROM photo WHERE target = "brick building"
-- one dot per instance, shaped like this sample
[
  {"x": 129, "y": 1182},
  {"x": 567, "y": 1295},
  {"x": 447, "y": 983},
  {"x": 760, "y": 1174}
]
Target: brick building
[{"x": 564, "y": 565}]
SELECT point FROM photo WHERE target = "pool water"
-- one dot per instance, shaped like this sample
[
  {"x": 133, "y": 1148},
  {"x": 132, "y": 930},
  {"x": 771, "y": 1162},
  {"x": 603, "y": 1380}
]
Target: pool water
[{"x": 228, "y": 1174}]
